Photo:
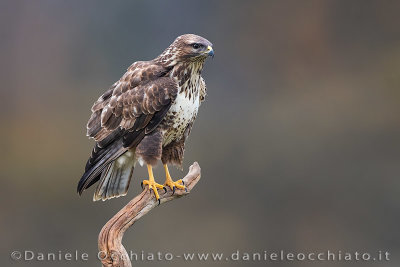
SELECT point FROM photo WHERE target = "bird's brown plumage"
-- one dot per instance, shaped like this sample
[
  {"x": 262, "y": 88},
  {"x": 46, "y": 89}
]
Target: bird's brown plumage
[{"x": 146, "y": 116}]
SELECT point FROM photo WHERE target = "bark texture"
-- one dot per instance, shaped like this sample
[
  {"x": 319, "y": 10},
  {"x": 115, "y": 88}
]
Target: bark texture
[{"x": 112, "y": 252}]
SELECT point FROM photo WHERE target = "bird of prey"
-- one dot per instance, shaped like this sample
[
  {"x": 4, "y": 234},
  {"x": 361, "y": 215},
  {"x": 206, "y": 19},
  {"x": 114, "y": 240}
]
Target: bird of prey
[{"x": 146, "y": 116}]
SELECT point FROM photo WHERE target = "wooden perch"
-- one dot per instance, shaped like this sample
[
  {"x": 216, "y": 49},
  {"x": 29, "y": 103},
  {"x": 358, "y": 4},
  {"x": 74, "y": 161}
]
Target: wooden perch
[{"x": 112, "y": 252}]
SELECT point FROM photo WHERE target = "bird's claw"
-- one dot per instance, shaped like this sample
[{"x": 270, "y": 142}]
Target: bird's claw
[
  {"x": 174, "y": 185},
  {"x": 183, "y": 183},
  {"x": 154, "y": 186}
]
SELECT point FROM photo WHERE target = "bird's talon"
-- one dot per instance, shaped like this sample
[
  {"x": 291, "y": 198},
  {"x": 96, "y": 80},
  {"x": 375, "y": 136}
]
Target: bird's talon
[
  {"x": 174, "y": 185},
  {"x": 153, "y": 186},
  {"x": 170, "y": 183},
  {"x": 165, "y": 189}
]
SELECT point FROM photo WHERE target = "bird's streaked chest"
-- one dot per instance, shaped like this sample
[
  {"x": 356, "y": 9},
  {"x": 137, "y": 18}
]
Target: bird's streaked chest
[{"x": 184, "y": 109}]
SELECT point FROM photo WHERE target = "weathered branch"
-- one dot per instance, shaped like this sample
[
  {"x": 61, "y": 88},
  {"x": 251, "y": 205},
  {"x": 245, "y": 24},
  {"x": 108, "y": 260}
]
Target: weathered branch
[{"x": 112, "y": 252}]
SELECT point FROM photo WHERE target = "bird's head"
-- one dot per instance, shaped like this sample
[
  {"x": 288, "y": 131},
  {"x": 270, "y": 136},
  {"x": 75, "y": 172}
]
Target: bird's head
[{"x": 189, "y": 47}]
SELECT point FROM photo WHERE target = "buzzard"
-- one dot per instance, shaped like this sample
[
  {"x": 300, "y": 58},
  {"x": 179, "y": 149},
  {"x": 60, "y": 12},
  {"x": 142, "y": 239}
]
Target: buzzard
[{"x": 146, "y": 116}]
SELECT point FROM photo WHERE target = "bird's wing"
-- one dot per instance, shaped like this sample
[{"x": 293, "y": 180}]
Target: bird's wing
[
  {"x": 133, "y": 107},
  {"x": 142, "y": 90}
]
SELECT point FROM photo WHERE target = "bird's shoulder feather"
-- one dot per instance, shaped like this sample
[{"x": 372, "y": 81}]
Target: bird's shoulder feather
[{"x": 133, "y": 100}]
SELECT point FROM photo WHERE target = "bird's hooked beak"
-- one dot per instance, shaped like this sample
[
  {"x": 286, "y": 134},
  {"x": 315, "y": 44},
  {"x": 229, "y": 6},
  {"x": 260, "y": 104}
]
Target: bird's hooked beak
[{"x": 209, "y": 51}]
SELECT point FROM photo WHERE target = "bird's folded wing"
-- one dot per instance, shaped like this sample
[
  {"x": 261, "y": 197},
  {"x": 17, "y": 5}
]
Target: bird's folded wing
[
  {"x": 141, "y": 91},
  {"x": 125, "y": 113}
]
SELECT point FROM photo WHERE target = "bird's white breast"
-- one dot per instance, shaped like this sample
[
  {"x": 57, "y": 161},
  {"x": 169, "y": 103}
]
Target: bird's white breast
[
  {"x": 182, "y": 112},
  {"x": 186, "y": 108}
]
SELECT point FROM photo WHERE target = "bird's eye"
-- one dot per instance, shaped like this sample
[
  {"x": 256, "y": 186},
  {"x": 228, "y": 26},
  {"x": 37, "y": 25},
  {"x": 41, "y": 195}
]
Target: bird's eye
[{"x": 196, "y": 46}]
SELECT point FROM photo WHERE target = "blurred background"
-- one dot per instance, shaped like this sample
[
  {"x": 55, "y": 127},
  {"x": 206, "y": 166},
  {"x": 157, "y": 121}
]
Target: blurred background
[{"x": 298, "y": 139}]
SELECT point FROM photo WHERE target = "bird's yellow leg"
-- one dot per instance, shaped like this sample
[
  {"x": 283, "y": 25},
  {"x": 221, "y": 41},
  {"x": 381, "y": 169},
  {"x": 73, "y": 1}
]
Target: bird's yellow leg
[
  {"x": 169, "y": 182},
  {"x": 152, "y": 183}
]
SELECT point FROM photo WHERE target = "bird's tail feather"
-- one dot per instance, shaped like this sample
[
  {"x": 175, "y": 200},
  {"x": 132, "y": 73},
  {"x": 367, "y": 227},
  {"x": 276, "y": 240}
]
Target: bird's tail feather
[
  {"x": 101, "y": 162},
  {"x": 115, "y": 179}
]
